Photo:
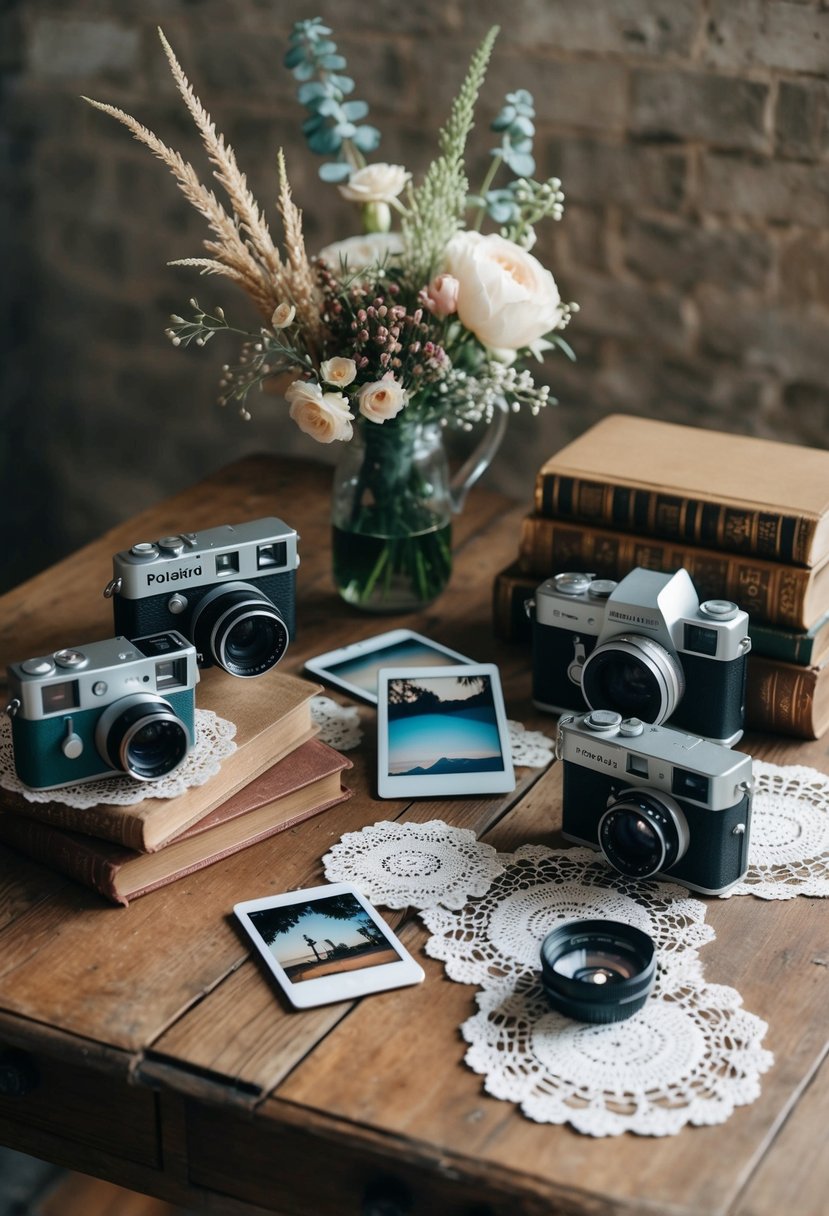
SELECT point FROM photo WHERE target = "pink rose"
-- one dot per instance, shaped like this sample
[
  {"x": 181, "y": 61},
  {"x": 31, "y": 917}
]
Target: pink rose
[{"x": 441, "y": 296}]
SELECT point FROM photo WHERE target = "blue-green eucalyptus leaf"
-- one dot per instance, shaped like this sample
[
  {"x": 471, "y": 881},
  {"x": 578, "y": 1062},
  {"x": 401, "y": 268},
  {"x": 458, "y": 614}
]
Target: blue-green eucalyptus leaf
[
  {"x": 355, "y": 110},
  {"x": 324, "y": 142},
  {"x": 366, "y": 139},
  {"x": 332, "y": 63},
  {"x": 307, "y": 93},
  {"x": 335, "y": 171}
]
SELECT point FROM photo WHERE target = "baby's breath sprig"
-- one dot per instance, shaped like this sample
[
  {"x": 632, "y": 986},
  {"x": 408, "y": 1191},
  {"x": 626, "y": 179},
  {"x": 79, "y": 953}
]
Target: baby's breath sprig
[
  {"x": 200, "y": 330},
  {"x": 464, "y": 399}
]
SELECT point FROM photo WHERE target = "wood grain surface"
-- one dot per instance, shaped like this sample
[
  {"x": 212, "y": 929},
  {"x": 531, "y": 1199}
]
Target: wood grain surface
[{"x": 253, "y": 1103}]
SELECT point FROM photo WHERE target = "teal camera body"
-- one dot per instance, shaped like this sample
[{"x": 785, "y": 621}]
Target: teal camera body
[{"x": 106, "y": 708}]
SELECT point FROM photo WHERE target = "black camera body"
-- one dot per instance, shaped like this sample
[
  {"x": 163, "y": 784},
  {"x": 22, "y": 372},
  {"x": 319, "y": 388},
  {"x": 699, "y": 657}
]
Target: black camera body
[
  {"x": 645, "y": 647},
  {"x": 657, "y": 802},
  {"x": 230, "y": 590}
]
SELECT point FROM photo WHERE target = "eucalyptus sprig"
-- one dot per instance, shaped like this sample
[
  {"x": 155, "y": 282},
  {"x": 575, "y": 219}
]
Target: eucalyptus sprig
[{"x": 332, "y": 126}]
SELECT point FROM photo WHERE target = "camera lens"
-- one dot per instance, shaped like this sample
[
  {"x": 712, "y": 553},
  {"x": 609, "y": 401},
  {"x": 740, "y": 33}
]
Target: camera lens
[
  {"x": 143, "y": 736},
  {"x": 597, "y": 970},
  {"x": 635, "y": 676},
  {"x": 643, "y": 832},
  {"x": 240, "y": 629}
]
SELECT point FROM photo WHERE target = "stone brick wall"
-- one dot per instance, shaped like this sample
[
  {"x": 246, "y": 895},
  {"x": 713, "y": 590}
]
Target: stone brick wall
[{"x": 692, "y": 138}]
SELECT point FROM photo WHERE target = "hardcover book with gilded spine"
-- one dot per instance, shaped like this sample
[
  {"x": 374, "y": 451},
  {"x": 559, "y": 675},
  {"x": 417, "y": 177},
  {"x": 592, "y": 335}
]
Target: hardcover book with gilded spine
[
  {"x": 693, "y": 486},
  {"x": 793, "y": 596}
]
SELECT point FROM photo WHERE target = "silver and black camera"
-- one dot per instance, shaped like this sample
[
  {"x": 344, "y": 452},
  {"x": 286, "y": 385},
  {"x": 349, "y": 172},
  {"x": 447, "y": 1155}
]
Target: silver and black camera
[
  {"x": 657, "y": 802},
  {"x": 230, "y": 590},
  {"x": 115, "y": 706},
  {"x": 644, "y": 646}
]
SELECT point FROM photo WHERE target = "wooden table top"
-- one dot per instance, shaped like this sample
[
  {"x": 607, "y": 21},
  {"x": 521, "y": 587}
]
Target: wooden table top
[{"x": 167, "y": 995}]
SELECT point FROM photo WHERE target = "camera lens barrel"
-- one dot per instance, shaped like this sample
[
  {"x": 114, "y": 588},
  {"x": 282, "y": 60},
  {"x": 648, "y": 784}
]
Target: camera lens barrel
[
  {"x": 597, "y": 971},
  {"x": 240, "y": 629},
  {"x": 643, "y": 832},
  {"x": 143, "y": 736},
  {"x": 634, "y": 675}
]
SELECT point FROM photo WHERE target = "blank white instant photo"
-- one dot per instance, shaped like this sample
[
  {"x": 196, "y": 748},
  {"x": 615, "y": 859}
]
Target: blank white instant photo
[
  {"x": 325, "y": 944},
  {"x": 442, "y": 730}
]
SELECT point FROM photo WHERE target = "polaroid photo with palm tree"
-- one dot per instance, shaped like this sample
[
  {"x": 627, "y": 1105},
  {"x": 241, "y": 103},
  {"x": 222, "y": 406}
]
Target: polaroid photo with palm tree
[
  {"x": 442, "y": 730},
  {"x": 325, "y": 944}
]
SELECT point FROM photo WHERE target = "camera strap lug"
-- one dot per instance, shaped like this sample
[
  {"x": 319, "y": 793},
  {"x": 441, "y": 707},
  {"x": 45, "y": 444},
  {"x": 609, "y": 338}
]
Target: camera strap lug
[
  {"x": 529, "y": 607},
  {"x": 559, "y": 744},
  {"x": 112, "y": 588},
  {"x": 12, "y": 707}
]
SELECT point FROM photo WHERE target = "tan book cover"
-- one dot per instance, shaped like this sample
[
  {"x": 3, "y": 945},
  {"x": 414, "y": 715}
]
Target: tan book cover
[
  {"x": 272, "y": 715},
  {"x": 301, "y": 785},
  {"x": 732, "y": 492}
]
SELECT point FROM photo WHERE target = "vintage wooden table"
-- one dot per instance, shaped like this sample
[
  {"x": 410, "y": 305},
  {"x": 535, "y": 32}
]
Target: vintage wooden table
[{"x": 159, "y": 1055}]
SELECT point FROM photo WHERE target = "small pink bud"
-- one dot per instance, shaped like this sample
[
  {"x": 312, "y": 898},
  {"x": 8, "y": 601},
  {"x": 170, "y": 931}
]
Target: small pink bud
[{"x": 441, "y": 296}]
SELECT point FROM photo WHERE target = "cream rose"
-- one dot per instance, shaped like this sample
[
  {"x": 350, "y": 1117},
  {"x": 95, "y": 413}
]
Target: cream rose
[
  {"x": 282, "y": 316},
  {"x": 338, "y": 371},
  {"x": 357, "y": 253},
  {"x": 378, "y": 183},
  {"x": 323, "y": 416},
  {"x": 505, "y": 296},
  {"x": 381, "y": 400}
]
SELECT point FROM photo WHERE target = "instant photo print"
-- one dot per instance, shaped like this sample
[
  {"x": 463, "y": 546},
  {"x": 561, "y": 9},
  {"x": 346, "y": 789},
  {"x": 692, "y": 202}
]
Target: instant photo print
[
  {"x": 442, "y": 730},
  {"x": 354, "y": 668},
  {"x": 325, "y": 944}
]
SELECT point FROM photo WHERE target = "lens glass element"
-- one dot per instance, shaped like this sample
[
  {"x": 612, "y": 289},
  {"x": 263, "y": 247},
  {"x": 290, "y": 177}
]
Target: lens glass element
[
  {"x": 156, "y": 748},
  {"x": 240, "y": 629},
  {"x": 597, "y": 970}
]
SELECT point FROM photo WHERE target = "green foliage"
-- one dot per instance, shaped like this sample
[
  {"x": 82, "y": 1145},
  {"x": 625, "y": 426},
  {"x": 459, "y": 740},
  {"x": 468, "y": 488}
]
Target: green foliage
[
  {"x": 333, "y": 127},
  {"x": 437, "y": 206}
]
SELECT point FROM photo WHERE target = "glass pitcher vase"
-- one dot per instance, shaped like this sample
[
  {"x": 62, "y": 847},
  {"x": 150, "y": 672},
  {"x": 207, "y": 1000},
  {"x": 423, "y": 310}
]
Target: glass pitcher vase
[{"x": 392, "y": 505}]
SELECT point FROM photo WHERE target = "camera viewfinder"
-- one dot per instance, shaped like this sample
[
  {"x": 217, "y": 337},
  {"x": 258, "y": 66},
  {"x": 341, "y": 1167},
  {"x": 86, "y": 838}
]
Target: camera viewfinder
[
  {"x": 637, "y": 765},
  {"x": 170, "y": 673},
  {"x": 690, "y": 785},
  {"x": 701, "y": 640},
  {"x": 58, "y": 697},
  {"x": 227, "y": 563},
  {"x": 272, "y": 555}
]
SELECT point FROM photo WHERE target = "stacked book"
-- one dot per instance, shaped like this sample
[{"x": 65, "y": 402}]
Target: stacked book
[
  {"x": 748, "y": 518},
  {"x": 278, "y": 775}
]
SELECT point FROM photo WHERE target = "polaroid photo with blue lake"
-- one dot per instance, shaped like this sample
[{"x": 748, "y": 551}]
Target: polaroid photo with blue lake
[{"x": 442, "y": 731}]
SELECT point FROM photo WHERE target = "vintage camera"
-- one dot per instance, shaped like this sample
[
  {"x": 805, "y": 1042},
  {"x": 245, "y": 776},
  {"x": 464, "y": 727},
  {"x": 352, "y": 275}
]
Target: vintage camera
[
  {"x": 230, "y": 590},
  {"x": 657, "y": 802},
  {"x": 644, "y": 646},
  {"x": 115, "y": 706}
]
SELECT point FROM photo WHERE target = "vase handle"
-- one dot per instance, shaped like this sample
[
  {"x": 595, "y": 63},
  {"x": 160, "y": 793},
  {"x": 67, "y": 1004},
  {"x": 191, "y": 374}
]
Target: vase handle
[{"x": 479, "y": 460}]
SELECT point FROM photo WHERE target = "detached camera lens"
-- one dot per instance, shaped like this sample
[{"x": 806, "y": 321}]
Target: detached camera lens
[
  {"x": 142, "y": 736},
  {"x": 597, "y": 970}
]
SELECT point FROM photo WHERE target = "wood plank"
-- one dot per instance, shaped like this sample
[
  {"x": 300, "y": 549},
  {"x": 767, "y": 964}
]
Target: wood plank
[
  {"x": 368, "y": 1067},
  {"x": 794, "y": 1175},
  {"x": 80, "y": 1195}
]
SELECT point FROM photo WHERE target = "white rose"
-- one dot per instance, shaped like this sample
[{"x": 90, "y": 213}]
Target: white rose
[
  {"x": 339, "y": 371},
  {"x": 357, "y": 253},
  {"x": 506, "y": 297},
  {"x": 282, "y": 316},
  {"x": 323, "y": 416},
  {"x": 381, "y": 400},
  {"x": 378, "y": 183}
]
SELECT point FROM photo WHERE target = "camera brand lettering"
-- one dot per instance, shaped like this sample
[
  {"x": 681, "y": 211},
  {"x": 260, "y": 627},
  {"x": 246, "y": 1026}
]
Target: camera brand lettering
[
  {"x": 173, "y": 576},
  {"x": 597, "y": 757},
  {"x": 634, "y": 618}
]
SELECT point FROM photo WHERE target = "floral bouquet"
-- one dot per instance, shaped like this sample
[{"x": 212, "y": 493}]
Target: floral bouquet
[{"x": 386, "y": 337}]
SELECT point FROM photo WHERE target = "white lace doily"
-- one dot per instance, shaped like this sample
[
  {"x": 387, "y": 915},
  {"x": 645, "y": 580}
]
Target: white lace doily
[
  {"x": 339, "y": 725},
  {"x": 495, "y": 941},
  {"x": 415, "y": 865},
  {"x": 529, "y": 748},
  {"x": 789, "y": 847},
  {"x": 214, "y": 741},
  {"x": 691, "y": 1055}
]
